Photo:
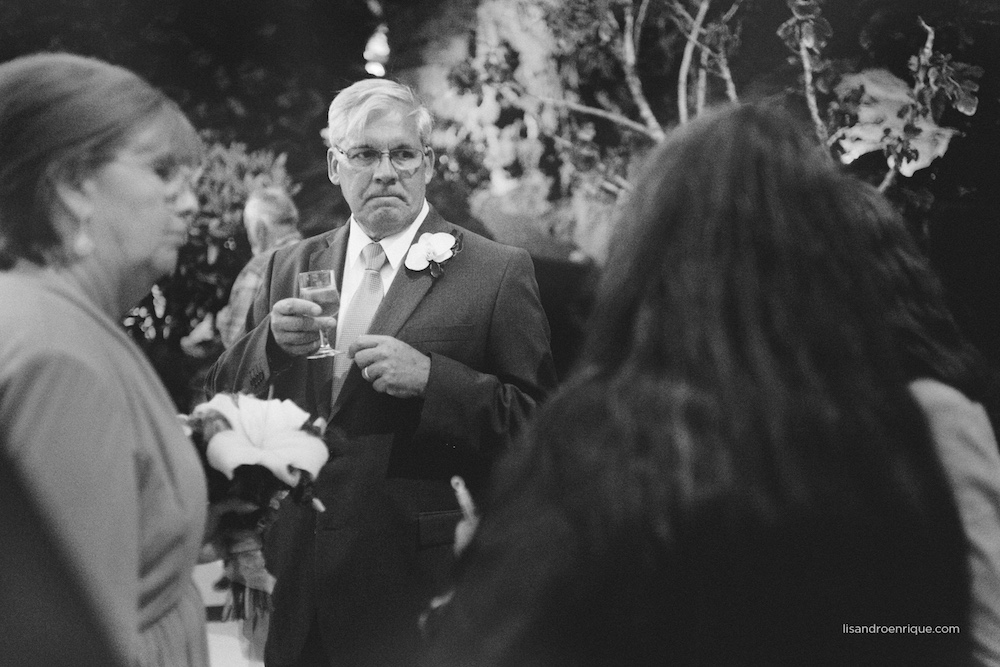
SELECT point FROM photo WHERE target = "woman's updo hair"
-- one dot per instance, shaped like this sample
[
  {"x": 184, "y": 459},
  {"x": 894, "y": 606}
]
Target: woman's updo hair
[{"x": 61, "y": 117}]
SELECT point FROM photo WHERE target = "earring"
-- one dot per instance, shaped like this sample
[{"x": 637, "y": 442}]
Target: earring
[{"x": 83, "y": 245}]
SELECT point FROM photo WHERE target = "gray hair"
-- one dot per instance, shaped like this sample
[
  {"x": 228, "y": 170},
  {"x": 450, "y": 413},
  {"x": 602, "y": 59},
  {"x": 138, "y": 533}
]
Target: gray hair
[
  {"x": 353, "y": 107},
  {"x": 281, "y": 210}
]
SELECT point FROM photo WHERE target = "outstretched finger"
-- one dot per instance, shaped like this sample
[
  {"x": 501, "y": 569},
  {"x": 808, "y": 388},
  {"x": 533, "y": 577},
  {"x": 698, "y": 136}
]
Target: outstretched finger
[{"x": 296, "y": 307}]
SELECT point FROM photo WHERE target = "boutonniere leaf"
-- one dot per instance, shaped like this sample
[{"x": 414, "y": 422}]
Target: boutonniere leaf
[{"x": 432, "y": 251}]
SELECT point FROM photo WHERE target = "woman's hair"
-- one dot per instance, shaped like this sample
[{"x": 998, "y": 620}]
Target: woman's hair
[
  {"x": 736, "y": 468},
  {"x": 929, "y": 340},
  {"x": 61, "y": 117},
  {"x": 932, "y": 344},
  {"x": 733, "y": 273},
  {"x": 352, "y": 108}
]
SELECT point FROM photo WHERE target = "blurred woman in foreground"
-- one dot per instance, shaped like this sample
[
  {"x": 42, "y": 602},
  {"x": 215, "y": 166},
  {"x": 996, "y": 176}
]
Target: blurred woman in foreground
[
  {"x": 958, "y": 393},
  {"x": 736, "y": 474},
  {"x": 96, "y": 170}
]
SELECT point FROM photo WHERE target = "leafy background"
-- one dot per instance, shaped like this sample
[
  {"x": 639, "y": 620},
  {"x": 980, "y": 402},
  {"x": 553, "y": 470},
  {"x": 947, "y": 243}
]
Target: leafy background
[{"x": 255, "y": 76}]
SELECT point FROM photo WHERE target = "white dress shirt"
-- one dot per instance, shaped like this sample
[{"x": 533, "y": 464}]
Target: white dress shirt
[{"x": 395, "y": 248}]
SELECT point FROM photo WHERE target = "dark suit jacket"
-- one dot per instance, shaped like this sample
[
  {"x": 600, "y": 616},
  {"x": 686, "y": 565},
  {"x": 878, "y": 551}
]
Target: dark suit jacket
[{"x": 368, "y": 565}]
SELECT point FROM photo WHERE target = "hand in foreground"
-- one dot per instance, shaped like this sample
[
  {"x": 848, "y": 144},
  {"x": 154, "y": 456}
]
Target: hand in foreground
[
  {"x": 466, "y": 528},
  {"x": 295, "y": 325},
  {"x": 391, "y": 366}
]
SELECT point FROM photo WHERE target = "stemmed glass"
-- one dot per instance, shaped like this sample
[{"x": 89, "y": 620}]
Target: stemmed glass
[{"x": 320, "y": 287}]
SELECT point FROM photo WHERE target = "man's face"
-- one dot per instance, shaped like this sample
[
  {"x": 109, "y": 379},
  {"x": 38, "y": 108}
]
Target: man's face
[{"x": 384, "y": 198}]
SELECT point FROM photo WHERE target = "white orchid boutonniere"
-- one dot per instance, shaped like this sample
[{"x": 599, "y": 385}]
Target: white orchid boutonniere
[{"x": 432, "y": 250}]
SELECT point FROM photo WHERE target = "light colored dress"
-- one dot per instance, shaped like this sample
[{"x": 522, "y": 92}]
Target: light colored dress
[
  {"x": 967, "y": 447},
  {"x": 96, "y": 437}
]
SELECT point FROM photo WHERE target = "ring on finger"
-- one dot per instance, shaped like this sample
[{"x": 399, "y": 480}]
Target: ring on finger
[{"x": 364, "y": 373}]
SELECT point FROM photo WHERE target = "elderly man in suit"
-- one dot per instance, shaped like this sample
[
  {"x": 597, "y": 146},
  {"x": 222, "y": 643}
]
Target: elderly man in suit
[{"x": 449, "y": 365}]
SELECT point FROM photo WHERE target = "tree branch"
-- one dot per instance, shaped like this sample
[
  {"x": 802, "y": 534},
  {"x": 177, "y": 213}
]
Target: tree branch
[
  {"x": 731, "y": 12},
  {"x": 593, "y": 111},
  {"x": 727, "y": 75},
  {"x": 640, "y": 19},
  {"x": 889, "y": 179},
  {"x": 810, "y": 91},
  {"x": 682, "y": 76},
  {"x": 923, "y": 60},
  {"x": 632, "y": 77},
  {"x": 702, "y": 87}
]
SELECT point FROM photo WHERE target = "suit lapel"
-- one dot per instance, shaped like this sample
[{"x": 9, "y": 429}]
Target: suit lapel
[
  {"x": 407, "y": 290},
  {"x": 408, "y": 287},
  {"x": 321, "y": 370}
]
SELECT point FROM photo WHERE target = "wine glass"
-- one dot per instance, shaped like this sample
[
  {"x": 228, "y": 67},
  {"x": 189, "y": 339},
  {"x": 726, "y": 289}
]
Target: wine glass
[{"x": 320, "y": 287}]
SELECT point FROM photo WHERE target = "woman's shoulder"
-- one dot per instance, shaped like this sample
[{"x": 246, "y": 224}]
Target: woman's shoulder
[
  {"x": 953, "y": 419},
  {"x": 937, "y": 398},
  {"x": 42, "y": 327},
  {"x": 31, "y": 316}
]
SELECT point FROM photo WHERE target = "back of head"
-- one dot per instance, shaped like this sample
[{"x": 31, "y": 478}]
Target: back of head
[
  {"x": 812, "y": 493},
  {"x": 61, "y": 116},
  {"x": 270, "y": 214},
  {"x": 357, "y": 103},
  {"x": 927, "y": 335},
  {"x": 713, "y": 226}
]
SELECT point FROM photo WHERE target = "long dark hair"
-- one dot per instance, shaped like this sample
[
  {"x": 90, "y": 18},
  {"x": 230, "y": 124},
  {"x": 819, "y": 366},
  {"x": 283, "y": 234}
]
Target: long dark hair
[
  {"x": 736, "y": 468},
  {"x": 929, "y": 339},
  {"x": 61, "y": 116},
  {"x": 732, "y": 274}
]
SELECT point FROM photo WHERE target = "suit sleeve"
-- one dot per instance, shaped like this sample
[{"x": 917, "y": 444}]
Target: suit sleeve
[
  {"x": 485, "y": 411},
  {"x": 245, "y": 366}
]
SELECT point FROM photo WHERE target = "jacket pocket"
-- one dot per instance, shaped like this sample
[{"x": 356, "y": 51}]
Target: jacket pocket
[{"x": 436, "y": 528}]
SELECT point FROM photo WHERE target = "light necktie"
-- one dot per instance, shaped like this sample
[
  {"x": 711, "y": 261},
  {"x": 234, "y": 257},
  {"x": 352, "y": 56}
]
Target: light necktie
[{"x": 359, "y": 313}]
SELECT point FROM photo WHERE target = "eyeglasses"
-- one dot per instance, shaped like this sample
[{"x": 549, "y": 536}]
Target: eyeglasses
[{"x": 404, "y": 160}]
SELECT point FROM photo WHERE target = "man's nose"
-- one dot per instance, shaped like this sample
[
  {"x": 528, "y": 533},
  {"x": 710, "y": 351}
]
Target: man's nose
[
  {"x": 186, "y": 202},
  {"x": 384, "y": 169}
]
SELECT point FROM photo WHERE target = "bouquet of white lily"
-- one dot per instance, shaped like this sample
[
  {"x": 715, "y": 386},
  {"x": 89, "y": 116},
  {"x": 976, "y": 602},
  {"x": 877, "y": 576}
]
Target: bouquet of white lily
[{"x": 256, "y": 451}]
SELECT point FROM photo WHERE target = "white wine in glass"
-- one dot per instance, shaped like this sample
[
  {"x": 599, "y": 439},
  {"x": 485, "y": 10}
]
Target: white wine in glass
[{"x": 320, "y": 287}]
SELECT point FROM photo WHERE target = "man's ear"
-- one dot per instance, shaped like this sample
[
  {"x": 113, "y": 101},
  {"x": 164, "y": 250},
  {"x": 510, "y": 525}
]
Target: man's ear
[
  {"x": 332, "y": 167},
  {"x": 429, "y": 172}
]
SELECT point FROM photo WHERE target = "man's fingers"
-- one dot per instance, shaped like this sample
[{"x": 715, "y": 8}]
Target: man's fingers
[
  {"x": 307, "y": 324},
  {"x": 293, "y": 323},
  {"x": 297, "y": 307},
  {"x": 367, "y": 341}
]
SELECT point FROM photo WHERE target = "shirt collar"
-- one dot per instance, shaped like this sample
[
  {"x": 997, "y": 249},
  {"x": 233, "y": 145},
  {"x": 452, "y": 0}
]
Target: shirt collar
[{"x": 395, "y": 246}]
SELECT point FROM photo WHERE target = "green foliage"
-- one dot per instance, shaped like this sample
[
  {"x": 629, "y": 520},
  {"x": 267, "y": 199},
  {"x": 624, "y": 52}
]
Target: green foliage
[
  {"x": 948, "y": 83},
  {"x": 806, "y": 26}
]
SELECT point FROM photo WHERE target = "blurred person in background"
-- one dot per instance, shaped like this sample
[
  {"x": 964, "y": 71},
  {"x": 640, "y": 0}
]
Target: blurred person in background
[
  {"x": 271, "y": 220},
  {"x": 736, "y": 472},
  {"x": 96, "y": 191}
]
